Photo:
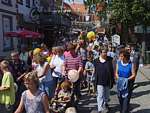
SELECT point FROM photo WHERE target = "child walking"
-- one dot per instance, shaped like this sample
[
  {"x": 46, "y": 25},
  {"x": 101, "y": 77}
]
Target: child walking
[{"x": 89, "y": 72}]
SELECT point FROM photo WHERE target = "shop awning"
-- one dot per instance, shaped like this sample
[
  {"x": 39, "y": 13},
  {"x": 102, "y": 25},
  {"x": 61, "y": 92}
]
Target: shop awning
[{"x": 23, "y": 34}]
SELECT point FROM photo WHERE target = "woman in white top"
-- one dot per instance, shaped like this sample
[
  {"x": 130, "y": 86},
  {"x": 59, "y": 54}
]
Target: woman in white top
[
  {"x": 44, "y": 75},
  {"x": 56, "y": 64}
]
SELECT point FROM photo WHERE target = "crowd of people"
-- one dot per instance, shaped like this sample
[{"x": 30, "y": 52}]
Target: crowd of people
[{"x": 50, "y": 80}]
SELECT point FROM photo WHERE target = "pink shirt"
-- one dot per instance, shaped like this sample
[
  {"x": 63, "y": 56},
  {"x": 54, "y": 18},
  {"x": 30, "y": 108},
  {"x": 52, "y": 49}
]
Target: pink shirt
[{"x": 67, "y": 54}]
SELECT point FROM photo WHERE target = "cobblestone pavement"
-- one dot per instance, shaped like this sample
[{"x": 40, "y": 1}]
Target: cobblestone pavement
[{"x": 140, "y": 102}]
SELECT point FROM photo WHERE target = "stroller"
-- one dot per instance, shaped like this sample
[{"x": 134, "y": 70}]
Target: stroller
[{"x": 63, "y": 96}]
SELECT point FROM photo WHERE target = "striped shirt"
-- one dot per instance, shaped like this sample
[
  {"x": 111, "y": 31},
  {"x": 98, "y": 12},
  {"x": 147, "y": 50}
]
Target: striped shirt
[{"x": 73, "y": 63}]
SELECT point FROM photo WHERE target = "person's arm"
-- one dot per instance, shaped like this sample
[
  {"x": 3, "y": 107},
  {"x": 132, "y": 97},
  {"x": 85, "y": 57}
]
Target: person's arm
[
  {"x": 3, "y": 88},
  {"x": 93, "y": 72},
  {"x": 77, "y": 48},
  {"x": 64, "y": 68},
  {"x": 45, "y": 103},
  {"x": 51, "y": 63},
  {"x": 21, "y": 77},
  {"x": 132, "y": 77},
  {"x": 80, "y": 69},
  {"x": 20, "y": 107},
  {"x": 116, "y": 72}
]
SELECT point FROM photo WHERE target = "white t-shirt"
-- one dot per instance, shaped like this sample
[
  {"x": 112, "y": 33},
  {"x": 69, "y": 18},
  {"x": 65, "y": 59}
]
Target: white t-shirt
[
  {"x": 102, "y": 60},
  {"x": 57, "y": 61},
  {"x": 40, "y": 69}
]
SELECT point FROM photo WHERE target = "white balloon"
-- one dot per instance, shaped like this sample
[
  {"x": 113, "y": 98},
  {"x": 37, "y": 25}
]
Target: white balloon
[{"x": 73, "y": 75}]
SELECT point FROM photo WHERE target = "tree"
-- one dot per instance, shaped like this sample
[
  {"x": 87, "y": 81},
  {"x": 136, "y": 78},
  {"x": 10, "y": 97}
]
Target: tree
[
  {"x": 141, "y": 12},
  {"x": 122, "y": 13},
  {"x": 130, "y": 13}
]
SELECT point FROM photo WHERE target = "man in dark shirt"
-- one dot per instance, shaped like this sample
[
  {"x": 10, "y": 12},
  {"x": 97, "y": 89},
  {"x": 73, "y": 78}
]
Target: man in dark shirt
[
  {"x": 17, "y": 67},
  {"x": 104, "y": 79}
]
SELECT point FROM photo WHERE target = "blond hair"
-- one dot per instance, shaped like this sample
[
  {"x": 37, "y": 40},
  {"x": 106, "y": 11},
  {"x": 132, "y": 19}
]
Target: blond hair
[
  {"x": 39, "y": 58},
  {"x": 71, "y": 110},
  {"x": 59, "y": 48},
  {"x": 54, "y": 49},
  {"x": 66, "y": 84},
  {"x": 32, "y": 76}
]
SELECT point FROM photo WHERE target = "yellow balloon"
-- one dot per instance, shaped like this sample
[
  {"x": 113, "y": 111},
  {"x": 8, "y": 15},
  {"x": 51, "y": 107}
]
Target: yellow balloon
[
  {"x": 91, "y": 35},
  {"x": 36, "y": 51},
  {"x": 48, "y": 59}
]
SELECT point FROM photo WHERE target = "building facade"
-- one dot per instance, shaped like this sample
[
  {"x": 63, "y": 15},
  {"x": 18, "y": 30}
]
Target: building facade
[
  {"x": 28, "y": 13},
  {"x": 86, "y": 20},
  {"x": 7, "y": 23}
]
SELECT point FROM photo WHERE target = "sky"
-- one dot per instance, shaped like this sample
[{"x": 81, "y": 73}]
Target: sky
[{"x": 76, "y": 1}]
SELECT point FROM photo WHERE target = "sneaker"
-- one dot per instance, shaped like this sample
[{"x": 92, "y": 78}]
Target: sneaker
[{"x": 106, "y": 106}]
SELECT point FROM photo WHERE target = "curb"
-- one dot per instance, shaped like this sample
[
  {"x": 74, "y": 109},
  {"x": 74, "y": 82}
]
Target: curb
[{"x": 140, "y": 70}]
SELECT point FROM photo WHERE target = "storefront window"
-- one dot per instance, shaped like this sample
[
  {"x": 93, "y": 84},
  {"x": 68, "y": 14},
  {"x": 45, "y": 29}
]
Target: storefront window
[{"x": 7, "y": 26}]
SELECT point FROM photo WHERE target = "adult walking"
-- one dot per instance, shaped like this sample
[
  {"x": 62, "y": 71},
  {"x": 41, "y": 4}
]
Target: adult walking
[
  {"x": 73, "y": 61},
  {"x": 125, "y": 74},
  {"x": 44, "y": 75},
  {"x": 104, "y": 79},
  {"x": 57, "y": 64}
]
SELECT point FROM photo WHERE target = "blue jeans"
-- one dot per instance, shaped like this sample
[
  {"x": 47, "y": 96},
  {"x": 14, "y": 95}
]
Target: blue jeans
[
  {"x": 125, "y": 102},
  {"x": 47, "y": 87},
  {"x": 102, "y": 96}
]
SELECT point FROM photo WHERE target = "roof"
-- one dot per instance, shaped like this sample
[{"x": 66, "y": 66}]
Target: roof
[
  {"x": 79, "y": 8},
  {"x": 67, "y": 6}
]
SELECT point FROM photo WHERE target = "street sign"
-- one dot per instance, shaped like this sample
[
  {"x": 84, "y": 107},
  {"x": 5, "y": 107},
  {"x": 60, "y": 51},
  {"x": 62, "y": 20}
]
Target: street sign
[{"x": 115, "y": 40}]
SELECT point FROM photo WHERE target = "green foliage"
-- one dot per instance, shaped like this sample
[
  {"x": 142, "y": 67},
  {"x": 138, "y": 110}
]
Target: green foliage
[
  {"x": 121, "y": 11},
  {"x": 141, "y": 11},
  {"x": 131, "y": 11}
]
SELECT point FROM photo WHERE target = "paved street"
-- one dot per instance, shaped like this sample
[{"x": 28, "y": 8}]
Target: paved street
[{"x": 140, "y": 102}]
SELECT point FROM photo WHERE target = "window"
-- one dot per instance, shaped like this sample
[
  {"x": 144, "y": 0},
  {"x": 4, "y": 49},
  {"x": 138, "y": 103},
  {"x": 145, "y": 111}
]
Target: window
[
  {"x": 7, "y": 26},
  {"x": 6, "y": 2},
  {"x": 28, "y": 3},
  {"x": 20, "y": 1}
]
